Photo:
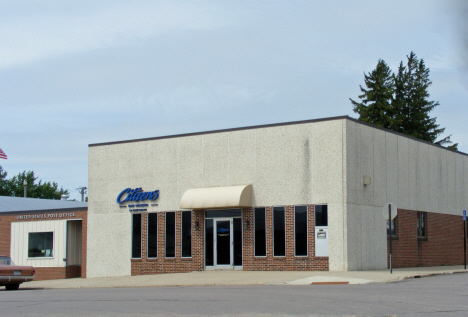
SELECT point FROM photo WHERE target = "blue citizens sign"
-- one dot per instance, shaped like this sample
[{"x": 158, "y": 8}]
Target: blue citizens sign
[{"x": 136, "y": 195}]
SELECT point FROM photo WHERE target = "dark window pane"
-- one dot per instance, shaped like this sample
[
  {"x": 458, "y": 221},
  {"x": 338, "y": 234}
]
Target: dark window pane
[
  {"x": 136, "y": 236},
  {"x": 421, "y": 225},
  {"x": 394, "y": 230},
  {"x": 41, "y": 244},
  {"x": 321, "y": 215},
  {"x": 279, "y": 247},
  {"x": 186, "y": 233},
  {"x": 260, "y": 234},
  {"x": 223, "y": 213},
  {"x": 170, "y": 234},
  {"x": 152, "y": 235},
  {"x": 209, "y": 242},
  {"x": 223, "y": 242},
  {"x": 237, "y": 241},
  {"x": 300, "y": 228}
]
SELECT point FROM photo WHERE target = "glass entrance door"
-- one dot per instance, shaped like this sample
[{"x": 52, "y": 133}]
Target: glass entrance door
[{"x": 223, "y": 241}]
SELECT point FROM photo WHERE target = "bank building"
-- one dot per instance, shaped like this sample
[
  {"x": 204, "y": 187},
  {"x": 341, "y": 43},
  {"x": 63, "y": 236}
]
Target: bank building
[{"x": 304, "y": 195}]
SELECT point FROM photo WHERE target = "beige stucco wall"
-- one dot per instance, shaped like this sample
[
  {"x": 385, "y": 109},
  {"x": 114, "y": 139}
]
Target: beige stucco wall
[
  {"x": 411, "y": 174},
  {"x": 286, "y": 165}
]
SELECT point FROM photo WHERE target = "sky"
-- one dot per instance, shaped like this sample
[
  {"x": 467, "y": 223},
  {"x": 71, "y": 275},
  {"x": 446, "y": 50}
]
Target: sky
[{"x": 74, "y": 73}]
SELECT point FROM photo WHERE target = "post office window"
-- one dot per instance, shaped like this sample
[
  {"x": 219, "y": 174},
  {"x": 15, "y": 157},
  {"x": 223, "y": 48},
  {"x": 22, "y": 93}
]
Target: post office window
[{"x": 41, "y": 245}]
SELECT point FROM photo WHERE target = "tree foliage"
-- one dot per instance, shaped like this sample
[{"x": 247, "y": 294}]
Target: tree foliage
[
  {"x": 14, "y": 186},
  {"x": 376, "y": 101},
  {"x": 3, "y": 183},
  {"x": 400, "y": 102}
]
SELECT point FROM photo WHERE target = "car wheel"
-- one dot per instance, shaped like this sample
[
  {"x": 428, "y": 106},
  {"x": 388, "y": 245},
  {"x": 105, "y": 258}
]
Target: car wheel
[{"x": 12, "y": 287}]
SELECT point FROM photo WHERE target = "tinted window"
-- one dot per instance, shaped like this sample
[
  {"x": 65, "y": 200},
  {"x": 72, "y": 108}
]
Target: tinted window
[
  {"x": 237, "y": 241},
  {"x": 260, "y": 234},
  {"x": 136, "y": 236},
  {"x": 421, "y": 225},
  {"x": 152, "y": 235},
  {"x": 170, "y": 234},
  {"x": 279, "y": 247},
  {"x": 321, "y": 215},
  {"x": 41, "y": 244},
  {"x": 209, "y": 252},
  {"x": 394, "y": 229},
  {"x": 226, "y": 213},
  {"x": 300, "y": 230},
  {"x": 186, "y": 234}
]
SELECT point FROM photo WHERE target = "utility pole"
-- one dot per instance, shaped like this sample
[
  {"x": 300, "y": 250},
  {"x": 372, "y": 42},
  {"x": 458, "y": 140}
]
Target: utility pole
[
  {"x": 82, "y": 191},
  {"x": 25, "y": 185}
]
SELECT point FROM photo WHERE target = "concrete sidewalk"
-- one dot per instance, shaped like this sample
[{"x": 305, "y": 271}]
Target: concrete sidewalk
[{"x": 237, "y": 277}]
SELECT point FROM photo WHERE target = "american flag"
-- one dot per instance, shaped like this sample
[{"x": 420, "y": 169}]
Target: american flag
[{"x": 3, "y": 155}]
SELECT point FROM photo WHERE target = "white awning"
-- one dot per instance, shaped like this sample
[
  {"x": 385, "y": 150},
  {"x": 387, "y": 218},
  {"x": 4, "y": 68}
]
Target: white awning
[{"x": 217, "y": 197}]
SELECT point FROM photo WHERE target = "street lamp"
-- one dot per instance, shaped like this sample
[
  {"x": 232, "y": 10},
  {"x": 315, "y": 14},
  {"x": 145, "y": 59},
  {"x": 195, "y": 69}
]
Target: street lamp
[{"x": 25, "y": 185}]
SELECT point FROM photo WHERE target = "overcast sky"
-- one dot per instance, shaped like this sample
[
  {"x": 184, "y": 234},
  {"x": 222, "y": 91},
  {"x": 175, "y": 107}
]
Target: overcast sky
[{"x": 73, "y": 73}]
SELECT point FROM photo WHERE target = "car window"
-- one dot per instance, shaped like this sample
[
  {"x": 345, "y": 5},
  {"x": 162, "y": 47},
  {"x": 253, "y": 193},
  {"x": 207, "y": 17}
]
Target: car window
[{"x": 6, "y": 261}]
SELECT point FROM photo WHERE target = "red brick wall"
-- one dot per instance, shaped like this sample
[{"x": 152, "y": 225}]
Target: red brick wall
[
  {"x": 53, "y": 273},
  {"x": 290, "y": 262},
  {"x": 161, "y": 264},
  {"x": 5, "y": 234},
  {"x": 46, "y": 273},
  {"x": 250, "y": 263},
  {"x": 443, "y": 245}
]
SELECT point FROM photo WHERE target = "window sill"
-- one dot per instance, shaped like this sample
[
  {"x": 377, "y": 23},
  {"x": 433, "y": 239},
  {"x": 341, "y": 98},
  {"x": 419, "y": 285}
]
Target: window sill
[{"x": 422, "y": 239}]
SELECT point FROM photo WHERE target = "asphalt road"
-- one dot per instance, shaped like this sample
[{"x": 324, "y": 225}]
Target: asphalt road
[{"x": 445, "y": 295}]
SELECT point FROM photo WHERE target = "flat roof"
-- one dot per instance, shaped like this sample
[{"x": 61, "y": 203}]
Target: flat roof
[
  {"x": 223, "y": 130},
  {"x": 10, "y": 204},
  {"x": 270, "y": 126}
]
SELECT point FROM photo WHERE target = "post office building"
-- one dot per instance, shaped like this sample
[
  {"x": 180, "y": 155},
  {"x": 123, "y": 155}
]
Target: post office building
[{"x": 47, "y": 234}]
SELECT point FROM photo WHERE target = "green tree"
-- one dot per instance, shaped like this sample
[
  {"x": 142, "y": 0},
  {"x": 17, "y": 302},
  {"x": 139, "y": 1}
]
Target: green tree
[
  {"x": 407, "y": 106},
  {"x": 4, "y": 189},
  {"x": 14, "y": 187},
  {"x": 376, "y": 101}
]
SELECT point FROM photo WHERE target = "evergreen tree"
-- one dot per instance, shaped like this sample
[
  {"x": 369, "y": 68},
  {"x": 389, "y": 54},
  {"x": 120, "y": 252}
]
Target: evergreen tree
[
  {"x": 408, "y": 106},
  {"x": 375, "y": 106},
  {"x": 411, "y": 101}
]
